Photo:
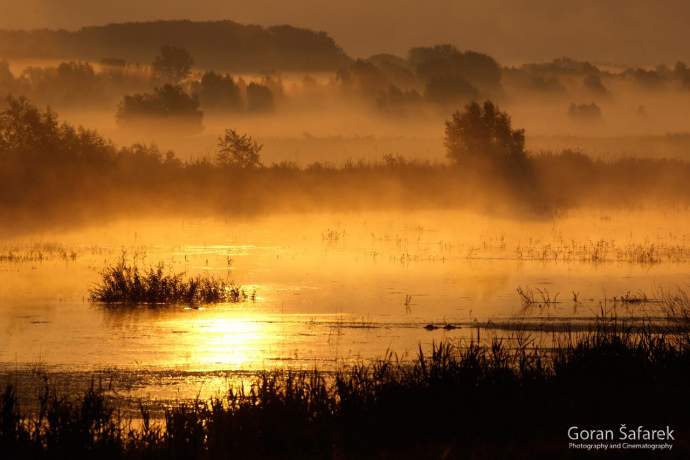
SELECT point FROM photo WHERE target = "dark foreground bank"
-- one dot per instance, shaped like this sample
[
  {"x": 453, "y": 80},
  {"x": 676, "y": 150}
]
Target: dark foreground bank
[{"x": 469, "y": 402}]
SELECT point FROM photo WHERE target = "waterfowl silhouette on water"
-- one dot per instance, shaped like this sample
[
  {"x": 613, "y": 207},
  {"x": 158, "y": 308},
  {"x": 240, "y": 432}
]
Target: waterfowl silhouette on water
[{"x": 447, "y": 327}]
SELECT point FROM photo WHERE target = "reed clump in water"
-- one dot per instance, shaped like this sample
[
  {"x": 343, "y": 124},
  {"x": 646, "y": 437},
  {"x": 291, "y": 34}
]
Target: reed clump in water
[{"x": 125, "y": 282}]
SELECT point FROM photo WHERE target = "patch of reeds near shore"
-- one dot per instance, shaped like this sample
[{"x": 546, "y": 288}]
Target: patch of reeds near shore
[
  {"x": 467, "y": 401},
  {"x": 126, "y": 283},
  {"x": 39, "y": 252}
]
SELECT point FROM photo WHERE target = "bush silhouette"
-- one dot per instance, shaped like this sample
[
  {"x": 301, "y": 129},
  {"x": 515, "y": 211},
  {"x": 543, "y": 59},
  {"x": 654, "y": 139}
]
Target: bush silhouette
[
  {"x": 219, "y": 92},
  {"x": 169, "y": 103},
  {"x": 594, "y": 84},
  {"x": 215, "y": 44},
  {"x": 363, "y": 78},
  {"x": 440, "y": 61},
  {"x": 259, "y": 98},
  {"x": 172, "y": 65},
  {"x": 483, "y": 132},
  {"x": 238, "y": 150},
  {"x": 7, "y": 80},
  {"x": 68, "y": 84}
]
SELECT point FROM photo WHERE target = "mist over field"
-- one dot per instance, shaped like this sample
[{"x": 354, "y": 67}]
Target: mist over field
[
  {"x": 394, "y": 229},
  {"x": 300, "y": 125}
]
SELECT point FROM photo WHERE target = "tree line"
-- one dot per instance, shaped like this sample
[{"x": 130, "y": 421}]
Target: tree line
[
  {"x": 223, "y": 45},
  {"x": 51, "y": 172}
]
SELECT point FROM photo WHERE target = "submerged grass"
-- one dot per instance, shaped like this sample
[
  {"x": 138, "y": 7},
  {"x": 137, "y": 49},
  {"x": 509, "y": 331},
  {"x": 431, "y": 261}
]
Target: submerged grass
[
  {"x": 454, "y": 402},
  {"x": 125, "y": 282},
  {"x": 39, "y": 252}
]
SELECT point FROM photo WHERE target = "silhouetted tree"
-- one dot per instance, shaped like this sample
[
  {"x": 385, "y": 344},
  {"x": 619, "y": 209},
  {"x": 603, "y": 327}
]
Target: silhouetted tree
[
  {"x": 363, "y": 78},
  {"x": 68, "y": 84},
  {"x": 396, "y": 70},
  {"x": 485, "y": 133},
  {"x": 214, "y": 44},
  {"x": 274, "y": 82},
  {"x": 238, "y": 150},
  {"x": 446, "y": 61},
  {"x": 682, "y": 74},
  {"x": 259, "y": 98},
  {"x": 220, "y": 92},
  {"x": 645, "y": 79},
  {"x": 430, "y": 62},
  {"x": 594, "y": 84},
  {"x": 172, "y": 65},
  {"x": 7, "y": 80},
  {"x": 481, "y": 70},
  {"x": 36, "y": 148},
  {"x": 169, "y": 102}
]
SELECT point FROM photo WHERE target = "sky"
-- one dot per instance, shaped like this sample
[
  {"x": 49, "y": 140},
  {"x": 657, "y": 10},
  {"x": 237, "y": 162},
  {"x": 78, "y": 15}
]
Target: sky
[{"x": 629, "y": 32}]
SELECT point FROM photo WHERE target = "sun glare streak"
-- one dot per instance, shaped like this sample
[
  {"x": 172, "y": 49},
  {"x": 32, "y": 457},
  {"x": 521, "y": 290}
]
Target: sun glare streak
[{"x": 228, "y": 342}]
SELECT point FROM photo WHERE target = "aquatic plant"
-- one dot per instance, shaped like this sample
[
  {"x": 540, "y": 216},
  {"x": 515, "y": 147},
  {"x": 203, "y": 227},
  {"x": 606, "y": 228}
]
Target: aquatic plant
[
  {"x": 125, "y": 282},
  {"x": 38, "y": 252}
]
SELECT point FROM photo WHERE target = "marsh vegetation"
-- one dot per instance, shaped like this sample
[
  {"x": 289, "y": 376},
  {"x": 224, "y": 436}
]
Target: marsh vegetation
[
  {"x": 127, "y": 283},
  {"x": 78, "y": 174},
  {"x": 376, "y": 408},
  {"x": 433, "y": 254}
]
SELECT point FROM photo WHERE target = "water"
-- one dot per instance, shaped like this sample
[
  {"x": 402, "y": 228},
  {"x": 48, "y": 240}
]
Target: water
[{"x": 330, "y": 289}]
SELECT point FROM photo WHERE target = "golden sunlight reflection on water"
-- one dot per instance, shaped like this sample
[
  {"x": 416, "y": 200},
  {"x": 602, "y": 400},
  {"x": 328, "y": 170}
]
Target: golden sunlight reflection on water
[
  {"x": 330, "y": 289},
  {"x": 227, "y": 341}
]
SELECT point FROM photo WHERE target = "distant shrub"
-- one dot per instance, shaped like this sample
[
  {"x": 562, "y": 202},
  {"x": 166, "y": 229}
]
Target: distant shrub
[
  {"x": 396, "y": 69},
  {"x": 7, "y": 81},
  {"x": 34, "y": 141},
  {"x": 483, "y": 132},
  {"x": 681, "y": 73},
  {"x": 645, "y": 79},
  {"x": 584, "y": 112},
  {"x": 362, "y": 78},
  {"x": 69, "y": 84},
  {"x": 259, "y": 98},
  {"x": 172, "y": 65},
  {"x": 446, "y": 61},
  {"x": 219, "y": 92},
  {"x": 593, "y": 83},
  {"x": 238, "y": 150},
  {"x": 167, "y": 103}
]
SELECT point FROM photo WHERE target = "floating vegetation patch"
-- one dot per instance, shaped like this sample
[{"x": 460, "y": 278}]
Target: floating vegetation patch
[{"x": 127, "y": 283}]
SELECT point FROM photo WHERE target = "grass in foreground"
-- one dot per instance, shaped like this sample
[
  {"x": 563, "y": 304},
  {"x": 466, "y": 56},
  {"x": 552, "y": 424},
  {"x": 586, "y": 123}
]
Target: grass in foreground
[
  {"x": 470, "y": 402},
  {"x": 126, "y": 283}
]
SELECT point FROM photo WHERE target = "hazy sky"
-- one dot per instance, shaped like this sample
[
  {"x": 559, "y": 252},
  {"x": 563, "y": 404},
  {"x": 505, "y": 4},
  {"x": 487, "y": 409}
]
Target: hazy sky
[{"x": 617, "y": 31}]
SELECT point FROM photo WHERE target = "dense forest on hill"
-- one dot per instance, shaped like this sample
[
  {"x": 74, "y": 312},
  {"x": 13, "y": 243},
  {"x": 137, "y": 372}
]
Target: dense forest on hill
[{"x": 223, "y": 45}]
